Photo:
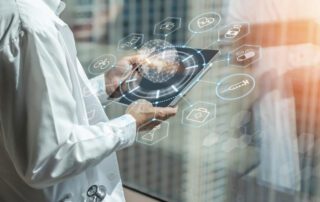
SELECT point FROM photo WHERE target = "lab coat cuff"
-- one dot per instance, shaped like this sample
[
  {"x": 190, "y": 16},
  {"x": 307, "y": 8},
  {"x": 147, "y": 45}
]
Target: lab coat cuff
[{"x": 129, "y": 126}]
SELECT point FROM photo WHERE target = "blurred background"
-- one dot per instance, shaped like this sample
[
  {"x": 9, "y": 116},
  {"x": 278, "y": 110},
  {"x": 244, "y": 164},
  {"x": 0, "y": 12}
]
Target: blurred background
[{"x": 260, "y": 147}]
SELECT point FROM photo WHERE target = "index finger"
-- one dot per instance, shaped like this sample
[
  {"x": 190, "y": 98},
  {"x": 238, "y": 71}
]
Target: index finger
[{"x": 164, "y": 113}]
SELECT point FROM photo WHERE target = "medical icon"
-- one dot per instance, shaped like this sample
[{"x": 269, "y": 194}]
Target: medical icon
[
  {"x": 204, "y": 22},
  {"x": 234, "y": 32},
  {"x": 102, "y": 64},
  {"x": 130, "y": 42},
  {"x": 167, "y": 26},
  {"x": 235, "y": 86},
  {"x": 199, "y": 114},
  {"x": 150, "y": 135},
  {"x": 155, "y": 135},
  {"x": 245, "y": 55}
]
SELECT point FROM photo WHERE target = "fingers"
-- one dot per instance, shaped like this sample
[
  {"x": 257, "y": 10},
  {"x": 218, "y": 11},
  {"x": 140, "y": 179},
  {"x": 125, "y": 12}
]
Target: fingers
[
  {"x": 147, "y": 116},
  {"x": 161, "y": 114},
  {"x": 165, "y": 113},
  {"x": 150, "y": 126},
  {"x": 141, "y": 106}
]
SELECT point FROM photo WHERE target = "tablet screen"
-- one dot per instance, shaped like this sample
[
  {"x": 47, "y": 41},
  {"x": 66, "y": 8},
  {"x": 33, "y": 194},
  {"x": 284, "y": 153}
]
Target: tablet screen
[{"x": 161, "y": 92}]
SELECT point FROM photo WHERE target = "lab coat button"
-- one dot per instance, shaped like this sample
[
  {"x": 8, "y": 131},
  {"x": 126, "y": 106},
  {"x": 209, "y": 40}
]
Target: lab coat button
[{"x": 97, "y": 193}]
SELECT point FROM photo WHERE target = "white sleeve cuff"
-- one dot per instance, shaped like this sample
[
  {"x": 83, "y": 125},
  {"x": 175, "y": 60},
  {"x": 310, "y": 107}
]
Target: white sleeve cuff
[{"x": 128, "y": 125}]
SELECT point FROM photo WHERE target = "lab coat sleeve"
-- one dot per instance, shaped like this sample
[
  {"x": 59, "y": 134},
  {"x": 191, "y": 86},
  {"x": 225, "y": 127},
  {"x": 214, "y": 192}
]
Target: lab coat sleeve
[
  {"x": 99, "y": 88},
  {"x": 58, "y": 147}
]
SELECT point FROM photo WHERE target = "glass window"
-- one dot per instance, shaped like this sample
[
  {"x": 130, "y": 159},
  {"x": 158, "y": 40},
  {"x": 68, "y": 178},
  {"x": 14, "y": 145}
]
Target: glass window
[{"x": 248, "y": 129}]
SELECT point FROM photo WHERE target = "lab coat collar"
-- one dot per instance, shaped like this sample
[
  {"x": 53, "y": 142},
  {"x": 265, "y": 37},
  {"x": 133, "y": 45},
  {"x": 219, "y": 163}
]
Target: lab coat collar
[{"x": 57, "y": 6}]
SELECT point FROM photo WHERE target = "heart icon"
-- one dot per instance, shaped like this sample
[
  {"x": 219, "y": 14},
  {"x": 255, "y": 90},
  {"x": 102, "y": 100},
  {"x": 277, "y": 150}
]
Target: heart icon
[{"x": 205, "y": 21}]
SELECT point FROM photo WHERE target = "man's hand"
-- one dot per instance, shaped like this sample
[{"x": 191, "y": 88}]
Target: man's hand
[
  {"x": 117, "y": 75},
  {"x": 138, "y": 66},
  {"x": 144, "y": 112}
]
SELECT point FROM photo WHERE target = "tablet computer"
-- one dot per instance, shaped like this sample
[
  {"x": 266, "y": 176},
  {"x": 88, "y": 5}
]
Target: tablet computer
[{"x": 193, "y": 64}]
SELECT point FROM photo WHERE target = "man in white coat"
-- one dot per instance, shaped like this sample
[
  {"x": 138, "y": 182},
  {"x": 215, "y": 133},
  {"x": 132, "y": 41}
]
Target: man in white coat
[{"x": 49, "y": 149}]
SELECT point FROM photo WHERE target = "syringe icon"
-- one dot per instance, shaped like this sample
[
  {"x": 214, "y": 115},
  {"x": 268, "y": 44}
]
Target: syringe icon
[{"x": 237, "y": 86}]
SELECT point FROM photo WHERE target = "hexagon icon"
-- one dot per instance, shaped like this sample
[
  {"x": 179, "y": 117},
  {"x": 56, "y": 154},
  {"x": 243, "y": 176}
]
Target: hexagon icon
[
  {"x": 155, "y": 135},
  {"x": 245, "y": 55},
  {"x": 199, "y": 114},
  {"x": 234, "y": 32},
  {"x": 167, "y": 26},
  {"x": 130, "y": 42}
]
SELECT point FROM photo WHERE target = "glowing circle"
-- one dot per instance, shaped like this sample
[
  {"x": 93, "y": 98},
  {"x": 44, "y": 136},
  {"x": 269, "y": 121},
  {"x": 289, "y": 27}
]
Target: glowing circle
[
  {"x": 140, "y": 87},
  {"x": 102, "y": 64},
  {"x": 235, "y": 86}
]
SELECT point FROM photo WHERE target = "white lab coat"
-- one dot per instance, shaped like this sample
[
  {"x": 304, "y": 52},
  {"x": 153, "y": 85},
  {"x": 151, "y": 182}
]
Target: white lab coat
[{"x": 55, "y": 139}]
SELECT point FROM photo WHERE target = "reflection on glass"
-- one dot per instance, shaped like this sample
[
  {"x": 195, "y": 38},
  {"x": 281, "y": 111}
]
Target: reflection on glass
[{"x": 262, "y": 142}]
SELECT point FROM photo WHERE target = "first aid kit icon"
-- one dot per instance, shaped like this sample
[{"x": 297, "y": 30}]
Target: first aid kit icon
[{"x": 199, "y": 115}]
